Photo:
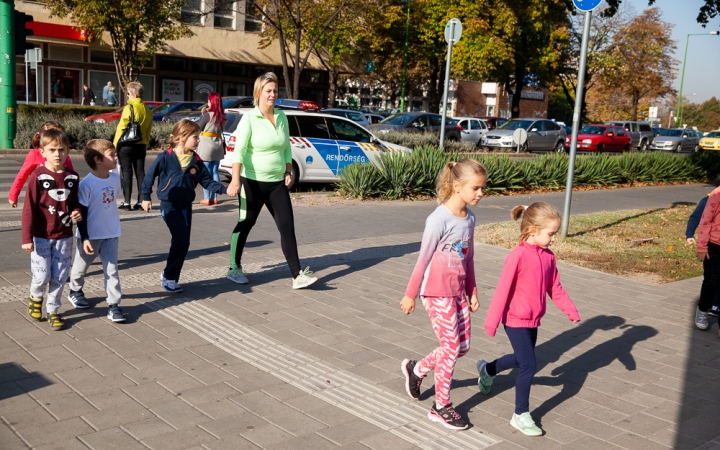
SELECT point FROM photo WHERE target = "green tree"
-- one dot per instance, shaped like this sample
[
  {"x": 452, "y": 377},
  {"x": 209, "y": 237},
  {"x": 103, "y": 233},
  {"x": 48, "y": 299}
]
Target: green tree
[{"x": 137, "y": 28}]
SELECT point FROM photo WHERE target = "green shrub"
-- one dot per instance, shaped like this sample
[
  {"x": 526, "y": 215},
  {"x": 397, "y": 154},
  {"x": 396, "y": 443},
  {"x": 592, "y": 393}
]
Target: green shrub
[
  {"x": 63, "y": 110},
  {"x": 417, "y": 140},
  {"x": 79, "y": 130},
  {"x": 398, "y": 175}
]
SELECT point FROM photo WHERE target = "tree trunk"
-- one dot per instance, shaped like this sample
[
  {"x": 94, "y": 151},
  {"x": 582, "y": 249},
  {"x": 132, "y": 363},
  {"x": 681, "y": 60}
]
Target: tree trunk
[
  {"x": 333, "y": 74},
  {"x": 434, "y": 95},
  {"x": 635, "y": 101}
]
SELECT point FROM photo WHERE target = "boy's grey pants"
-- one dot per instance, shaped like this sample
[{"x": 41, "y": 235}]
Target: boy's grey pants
[
  {"x": 107, "y": 250},
  {"x": 49, "y": 263}
]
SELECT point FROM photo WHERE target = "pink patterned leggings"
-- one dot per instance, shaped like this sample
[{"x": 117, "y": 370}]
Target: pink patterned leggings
[{"x": 450, "y": 317}]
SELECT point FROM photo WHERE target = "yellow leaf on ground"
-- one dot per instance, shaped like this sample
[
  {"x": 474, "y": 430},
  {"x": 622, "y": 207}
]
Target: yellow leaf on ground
[{"x": 670, "y": 249}]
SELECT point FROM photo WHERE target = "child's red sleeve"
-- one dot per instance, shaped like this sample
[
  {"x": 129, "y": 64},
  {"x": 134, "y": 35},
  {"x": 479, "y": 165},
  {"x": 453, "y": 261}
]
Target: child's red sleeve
[
  {"x": 707, "y": 221},
  {"x": 28, "y": 166}
]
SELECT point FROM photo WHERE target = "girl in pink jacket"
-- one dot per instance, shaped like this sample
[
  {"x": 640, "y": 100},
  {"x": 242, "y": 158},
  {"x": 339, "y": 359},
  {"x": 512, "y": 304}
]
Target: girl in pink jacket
[
  {"x": 444, "y": 278},
  {"x": 528, "y": 277}
]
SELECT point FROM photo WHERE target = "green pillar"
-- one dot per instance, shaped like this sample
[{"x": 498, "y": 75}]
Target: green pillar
[{"x": 8, "y": 95}]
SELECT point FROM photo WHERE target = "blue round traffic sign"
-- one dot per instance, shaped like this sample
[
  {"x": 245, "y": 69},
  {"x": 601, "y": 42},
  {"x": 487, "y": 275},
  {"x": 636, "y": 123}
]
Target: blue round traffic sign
[{"x": 586, "y": 5}]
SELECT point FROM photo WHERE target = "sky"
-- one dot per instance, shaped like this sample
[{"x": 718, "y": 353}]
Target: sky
[{"x": 703, "y": 65}]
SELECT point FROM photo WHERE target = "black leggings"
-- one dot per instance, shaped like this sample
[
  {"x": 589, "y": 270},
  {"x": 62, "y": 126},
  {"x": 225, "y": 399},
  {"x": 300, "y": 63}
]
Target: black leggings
[
  {"x": 132, "y": 157},
  {"x": 275, "y": 196},
  {"x": 711, "y": 278}
]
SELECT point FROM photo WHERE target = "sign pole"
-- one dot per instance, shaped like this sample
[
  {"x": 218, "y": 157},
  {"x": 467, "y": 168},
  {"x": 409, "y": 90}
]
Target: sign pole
[
  {"x": 453, "y": 31},
  {"x": 576, "y": 122},
  {"x": 27, "y": 80}
]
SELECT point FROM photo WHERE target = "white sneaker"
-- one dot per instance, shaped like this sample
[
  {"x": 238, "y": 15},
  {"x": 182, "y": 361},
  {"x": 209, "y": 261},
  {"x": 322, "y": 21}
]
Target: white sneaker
[
  {"x": 701, "y": 320},
  {"x": 525, "y": 424},
  {"x": 236, "y": 275},
  {"x": 170, "y": 285},
  {"x": 304, "y": 279}
]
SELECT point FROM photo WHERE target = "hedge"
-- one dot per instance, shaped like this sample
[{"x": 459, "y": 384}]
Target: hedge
[
  {"x": 80, "y": 111},
  {"x": 79, "y": 131},
  {"x": 411, "y": 175}
]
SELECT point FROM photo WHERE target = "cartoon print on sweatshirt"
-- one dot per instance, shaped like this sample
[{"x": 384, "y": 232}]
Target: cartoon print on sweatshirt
[
  {"x": 458, "y": 252},
  {"x": 108, "y": 196},
  {"x": 60, "y": 194}
]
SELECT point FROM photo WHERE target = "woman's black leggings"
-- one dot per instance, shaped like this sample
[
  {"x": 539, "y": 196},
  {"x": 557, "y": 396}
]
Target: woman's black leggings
[
  {"x": 711, "y": 278},
  {"x": 275, "y": 196},
  {"x": 132, "y": 157}
]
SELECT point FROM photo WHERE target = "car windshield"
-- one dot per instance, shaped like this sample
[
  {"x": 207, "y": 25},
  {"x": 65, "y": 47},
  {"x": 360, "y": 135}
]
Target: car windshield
[
  {"x": 162, "y": 109},
  {"x": 150, "y": 106},
  {"x": 593, "y": 130},
  {"x": 515, "y": 124},
  {"x": 672, "y": 133},
  {"x": 712, "y": 134},
  {"x": 398, "y": 119}
]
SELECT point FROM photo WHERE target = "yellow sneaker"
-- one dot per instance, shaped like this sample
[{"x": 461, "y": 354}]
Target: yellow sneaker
[{"x": 35, "y": 308}]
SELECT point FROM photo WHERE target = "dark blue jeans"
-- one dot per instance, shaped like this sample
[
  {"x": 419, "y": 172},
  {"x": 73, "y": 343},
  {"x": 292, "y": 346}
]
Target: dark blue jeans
[
  {"x": 179, "y": 222},
  {"x": 523, "y": 344}
]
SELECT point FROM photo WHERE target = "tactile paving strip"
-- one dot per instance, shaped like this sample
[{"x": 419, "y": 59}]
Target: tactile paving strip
[{"x": 381, "y": 407}]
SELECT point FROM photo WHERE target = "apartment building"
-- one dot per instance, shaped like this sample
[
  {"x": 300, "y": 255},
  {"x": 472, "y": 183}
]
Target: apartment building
[{"x": 222, "y": 57}]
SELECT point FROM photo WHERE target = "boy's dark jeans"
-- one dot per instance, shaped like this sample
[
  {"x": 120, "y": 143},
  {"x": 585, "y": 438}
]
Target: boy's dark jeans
[
  {"x": 179, "y": 222},
  {"x": 711, "y": 278}
]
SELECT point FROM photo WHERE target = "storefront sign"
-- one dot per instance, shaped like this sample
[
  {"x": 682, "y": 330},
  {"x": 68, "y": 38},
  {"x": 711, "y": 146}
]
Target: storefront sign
[
  {"x": 532, "y": 95},
  {"x": 55, "y": 30},
  {"x": 172, "y": 90}
]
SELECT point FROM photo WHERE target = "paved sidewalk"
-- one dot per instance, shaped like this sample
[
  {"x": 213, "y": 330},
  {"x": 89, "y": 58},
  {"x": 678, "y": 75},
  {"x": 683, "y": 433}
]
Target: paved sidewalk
[{"x": 225, "y": 366}]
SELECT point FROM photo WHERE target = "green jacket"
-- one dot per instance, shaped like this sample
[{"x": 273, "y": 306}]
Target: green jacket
[{"x": 143, "y": 115}]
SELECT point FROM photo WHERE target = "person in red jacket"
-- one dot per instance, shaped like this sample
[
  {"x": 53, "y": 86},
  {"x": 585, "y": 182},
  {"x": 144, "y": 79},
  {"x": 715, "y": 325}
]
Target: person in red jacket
[
  {"x": 708, "y": 252},
  {"x": 33, "y": 160},
  {"x": 529, "y": 275},
  {"x": 51, "y": 205}
]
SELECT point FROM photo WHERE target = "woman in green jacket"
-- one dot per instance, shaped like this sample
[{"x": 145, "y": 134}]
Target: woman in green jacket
[
  {"x": 132, "y": 156},
  {"x": 260, "y": 176}
]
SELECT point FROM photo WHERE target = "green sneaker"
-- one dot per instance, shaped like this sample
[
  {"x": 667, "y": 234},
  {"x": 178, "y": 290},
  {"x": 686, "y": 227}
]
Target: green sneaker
[
  {"x": 55, "y": 321},
  {"x": 236, "y": 275},
  {"x": 525, "y": 424},
  {"x": 304, "y": 279},
  {"x": 35, "y": 307},
  {"x": 485, "y": 381}
]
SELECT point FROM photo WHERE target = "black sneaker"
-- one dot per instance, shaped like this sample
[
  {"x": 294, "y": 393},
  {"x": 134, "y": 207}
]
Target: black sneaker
[
  {"x": 78, "y": 300},
  {"x": 115, "y": 314},
  {"x": 412, "y": 381},
  {"x": 448, "y": 417},
  {"x": 714, "y": 311},
  {"x": 125, "y": 206}
]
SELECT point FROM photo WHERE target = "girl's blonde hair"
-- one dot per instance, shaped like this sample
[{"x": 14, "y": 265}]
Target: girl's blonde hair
[
  {"x": 182, "y": 130},
  {"x": 260, "y": 83},
  {"x": 461, "y": 172},
  {"x": 49, "y": 125},
  {"x": 534, "y": 218}
]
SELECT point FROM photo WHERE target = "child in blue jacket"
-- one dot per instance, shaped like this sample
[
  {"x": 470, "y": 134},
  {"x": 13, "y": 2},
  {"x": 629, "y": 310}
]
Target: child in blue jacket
[{"x": 179, "y": 170}]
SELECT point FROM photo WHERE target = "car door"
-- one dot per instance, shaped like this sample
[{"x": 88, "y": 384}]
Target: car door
[
  {"x": 419, "y": 124},
  {"x": 621, "y": 137},
  {"x": 354, "y": 143},
  {"x": 316, "y": 151},
  {"x": 552, "y": 132},
  {"x": 536, "y": 136},
  {"x": 474, "y": 130}
]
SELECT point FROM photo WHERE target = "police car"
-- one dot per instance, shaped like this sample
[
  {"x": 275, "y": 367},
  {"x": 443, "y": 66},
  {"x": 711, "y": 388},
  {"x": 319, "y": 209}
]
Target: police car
[{"x": 322, "y": 145}]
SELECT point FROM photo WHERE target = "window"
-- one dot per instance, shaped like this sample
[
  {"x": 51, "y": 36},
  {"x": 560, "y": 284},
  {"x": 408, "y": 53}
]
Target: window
[
  {"x": 172, "y": 89},
  {"x": 192, "y": 12},
  {"x": 620, "y": 131},
  {"x": 253, "y": 18},
  {"x": 66, "y": 53},
  {"x": 261, "y": 70},
  {"x": 236, "y": 70},
  {"x": 633, "y": 127},
  {"x": 65, "y": 85},
  {"x": 97, "y": 80},
  {"x": 538, "y": 126},
  {"x": 230, "y": 89},
  {"x": 201, "y": 89},
  {"x": 435, "y": 121},
  {"x": 101, "y": 57},
  {"x": 474, "y": 125},
  {"x": 490, "y": 110},
  {"x": 345, "y": 131},
  {"x": 148, "y": 82},
  {"x": 312, "y": 127},
  {"x": 172, "y": 64},
  {"x": 645, "y": 127},
  {"x": 203, "y": 66},
  {"x": 35, "y": 84},
  {"x": 421, "y": 121},
  {"x": 355, "y": 116},
  {"x": 224, "y": 16},
  {"x": 292, "y": 123}
]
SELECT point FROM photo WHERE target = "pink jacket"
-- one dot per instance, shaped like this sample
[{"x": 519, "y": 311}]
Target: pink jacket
[
  {"x": 33, "y": 159},
  {"x": 709, "y": 228},
  {"x": 528, "y": 276}
]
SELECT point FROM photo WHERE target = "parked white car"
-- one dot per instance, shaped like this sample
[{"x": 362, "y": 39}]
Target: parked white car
[
  {"x": 473, "y": 129},
  {"x": 322, "y": 145}
]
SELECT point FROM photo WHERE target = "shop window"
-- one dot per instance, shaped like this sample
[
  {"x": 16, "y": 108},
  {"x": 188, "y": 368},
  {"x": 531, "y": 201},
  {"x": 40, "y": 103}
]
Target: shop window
[
  {"x": 253, "y": 18},
  {"x": 97, "y": 81},
  {"x": 490, "y": 110},
  {"x": 192, "y": 12},
  {"x": 262, "y": 70},
  {"x": 172, "y": 89},
  {"x": 224, "y": 15},
  {"x": 230, "y": 89},
  {"x": 234, "y": 70},
  {"x": 172, "y": 64},
  {"x": 312, "y": 76},
  {"x": 203, "y": 66},
  {"x": 66, "y": 53},
  {"x": 35, "y": 83},
  {"x": 101, "y": 57},
  {"x": 148, "y": 82},
  {"x": 65, "y": 85},
  {"x": 316, "y": 95},
  {"x": 201, "y": 89}
]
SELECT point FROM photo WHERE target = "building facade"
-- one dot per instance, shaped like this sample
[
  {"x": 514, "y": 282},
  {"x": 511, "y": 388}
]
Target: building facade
[
  {"x": 223, "y": 56},
  {"x": 472, "y": 98}
]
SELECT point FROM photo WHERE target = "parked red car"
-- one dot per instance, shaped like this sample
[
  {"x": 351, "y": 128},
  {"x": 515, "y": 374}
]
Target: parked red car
[
  {"x": 115, "y": 115},
  {"x": 600, "y": 138}
]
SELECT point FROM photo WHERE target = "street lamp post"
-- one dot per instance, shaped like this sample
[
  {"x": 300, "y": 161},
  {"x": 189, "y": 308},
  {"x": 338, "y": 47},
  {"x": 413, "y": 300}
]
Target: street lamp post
[
  {"x": 405, "y": 57},
  {"x": 678, "y": 114}
]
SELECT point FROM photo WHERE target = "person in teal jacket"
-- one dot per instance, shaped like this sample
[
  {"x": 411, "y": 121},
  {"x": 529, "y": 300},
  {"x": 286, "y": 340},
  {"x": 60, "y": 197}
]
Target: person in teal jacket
[
  {"x": 179, "y": 170},
  {"x": 261, "y": 173}
]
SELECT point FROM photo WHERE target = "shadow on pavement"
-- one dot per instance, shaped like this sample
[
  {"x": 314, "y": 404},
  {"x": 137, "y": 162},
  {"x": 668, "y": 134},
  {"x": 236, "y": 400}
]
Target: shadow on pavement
[{"x": 11, "y": 374}]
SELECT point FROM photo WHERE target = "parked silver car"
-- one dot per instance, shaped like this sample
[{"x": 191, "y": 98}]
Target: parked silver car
[
  {"x": 677, "y": 140},
  {"x": 355, "y": 116},
  {"x": 641, "y": 133},
  {"x": 543, "y": 135},
  {"x": 472, "y": 129}
]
